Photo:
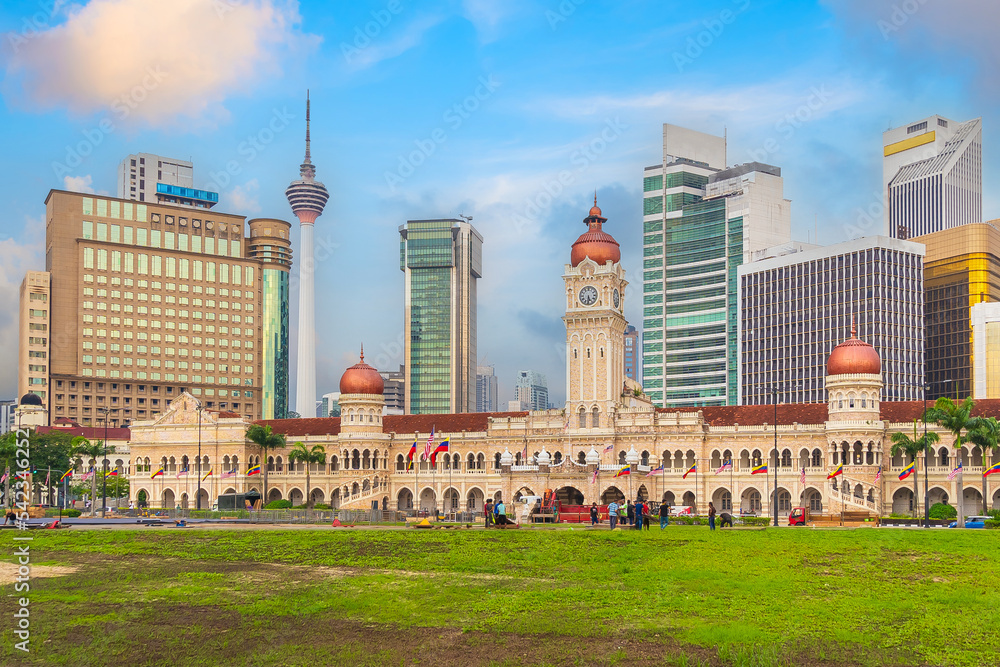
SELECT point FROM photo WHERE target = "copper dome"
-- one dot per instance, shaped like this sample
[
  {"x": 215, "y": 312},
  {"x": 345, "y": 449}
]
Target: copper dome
[
  {"x": 595, "y": 243},
  {"x": 361, "y": 379},
  {"x": 853, "y": 356}
]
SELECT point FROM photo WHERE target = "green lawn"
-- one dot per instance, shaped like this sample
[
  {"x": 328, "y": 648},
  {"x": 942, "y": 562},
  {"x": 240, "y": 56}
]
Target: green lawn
[{"x": 681, "y": 597}]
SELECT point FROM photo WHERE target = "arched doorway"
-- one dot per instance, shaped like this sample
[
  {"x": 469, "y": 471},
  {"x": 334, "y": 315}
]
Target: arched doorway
[
  {"x": 995, "y": 504},
  {"x": 316, "y": 496},
  {"x": 184, "y": 501},
  {"x": 272, "y": 495},
  {"x": 203, "y": 500},
  {"x": 642, "y": 493},
  {"x": 335, "y": 498},
  {"x": 812, "y": 499},
  {"x": 934, "y": 496},
  {"x": 428, "y": 500},
  {"x": 568, "y": 495},
  {"x": 142, "y": 498},
  {"x": 295, "y": 496},
  {"x": 784, "y": 500},
  {"x": 723, "y": 500},
  {"x": 972, "y": 501},
  {"x": 451, "y": 497},
  {"x": 668, "y": 498},
  {"x": 750, "y": 501},
  {"x": 612, "y": 493},
  {"x": 522, "y": 492},
  {"x": 168, "y": 499},
  {"x": 474, "y": 500},
  {"x": 404, "y": 500},
  {"x": 902, "y": 501},
  {"x": 688, "y": 500}
]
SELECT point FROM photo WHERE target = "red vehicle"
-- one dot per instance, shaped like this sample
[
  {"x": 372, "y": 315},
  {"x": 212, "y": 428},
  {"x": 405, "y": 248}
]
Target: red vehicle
[{"x": 798, "y": 517}]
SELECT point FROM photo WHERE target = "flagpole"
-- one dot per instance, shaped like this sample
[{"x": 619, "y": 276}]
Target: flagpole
[{"x": 416, "y": 480}]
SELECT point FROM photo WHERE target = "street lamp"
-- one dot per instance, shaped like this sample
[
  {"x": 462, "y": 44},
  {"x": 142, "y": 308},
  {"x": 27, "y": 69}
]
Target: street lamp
[
  {"x": 200, "y": 408},
  {"x": 104, "y": 485},
  {"x": 774, "y": 500}
]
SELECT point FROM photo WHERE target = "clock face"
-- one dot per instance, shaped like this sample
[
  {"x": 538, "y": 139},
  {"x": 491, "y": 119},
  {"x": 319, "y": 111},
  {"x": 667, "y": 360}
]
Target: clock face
[
  {"x": 617, "y": 298},
  {"x": 588, "y": 296}
]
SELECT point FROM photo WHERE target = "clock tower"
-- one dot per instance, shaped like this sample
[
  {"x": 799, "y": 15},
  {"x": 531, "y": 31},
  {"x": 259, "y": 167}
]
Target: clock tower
[{"x": 595, "y": 326}]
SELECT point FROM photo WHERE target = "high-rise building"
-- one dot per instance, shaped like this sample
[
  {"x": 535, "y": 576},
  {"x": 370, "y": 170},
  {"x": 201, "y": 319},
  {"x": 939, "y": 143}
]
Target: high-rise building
[
  {"x": 985, "y": 319},
  {"x": 308, "y": 198},
  {"x": 330, "y": 405},
  {"x": 156, "y": 179},
  {"x": 531, "y": 389},
  {"x": 961, "y": 269},
  {"x": 34, "y": 335},
  {"x": 7, "y": 416},
  {"x": 701, "y": 221},
  {"x": 145, "y": 301},
  {"x": 393, "y": 391},
  {"x": 633, "y": 348},
  {"x": 932, "y": 174},
  {"x": 795, "y": 308},
  {"x": 487, "y": 390},
  {"x": 441, "y": 261}
]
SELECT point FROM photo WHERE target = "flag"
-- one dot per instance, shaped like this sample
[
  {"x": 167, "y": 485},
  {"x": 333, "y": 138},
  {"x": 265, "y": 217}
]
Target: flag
[
  {"x": 410, "y": 455},
  {"x": 609, "y": 448},
  {"x": 182, "y": 472},
  {"x": 990, "y": 471},
  {"x": 158, "y": 473},
  {"x": 112, "y": 473},
  {"x": 839, "y": 470},
  {"x": 954, "y": 473},
  {"x": 594, "y": 478},
  {"x": 4, "y": 478},
  {"x": 655, "y": 471},
  {"x": 230, "y": 473},
  {"x": 907, "y": 471},
  {"x": 48, "y": 477},
  {"x": 68, "y": 473},
  {"x": 728, "y": 465},
  {"x": 87, "y": 475},
  {"x": 566, "y": 427},
  {"x": 878, "y": 474},
  {"x": 802, "y": 477},
  {"x": 624, "y": 470},
  {"x": 686, "y": 510},
  {"x": 207, "y": 475},
  {"x": 690, "y": 470},
  {"x": 254, "y": 470},
  {"x": 762, "y": 468},
  {"x": 441, "y": 448},
  {"x": 429, "y": 445}
]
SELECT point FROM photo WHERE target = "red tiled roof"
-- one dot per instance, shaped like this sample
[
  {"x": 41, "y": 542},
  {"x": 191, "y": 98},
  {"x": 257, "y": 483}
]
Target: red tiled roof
[
  {"x": 90, "y": 432},
  {"x": 442, "y": 423},
  {"x": 907, "y": 411},
  {"x": 791, "y": 413}
]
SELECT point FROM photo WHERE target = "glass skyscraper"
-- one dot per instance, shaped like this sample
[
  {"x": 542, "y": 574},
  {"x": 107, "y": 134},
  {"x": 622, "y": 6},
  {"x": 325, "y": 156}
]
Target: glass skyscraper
[
  {"x": 269, "y": 243},
  {"x": 441, "y": 261}
]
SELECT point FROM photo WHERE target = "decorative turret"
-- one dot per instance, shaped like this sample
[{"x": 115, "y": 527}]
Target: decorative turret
[
  {"x": 854, "y": 381},
  {"x": 361, "y": 400}
]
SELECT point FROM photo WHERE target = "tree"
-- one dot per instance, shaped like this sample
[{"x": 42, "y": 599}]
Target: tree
[
  {"x": 266, "y": 439},
  {"x": 985, "y": 432},
  {"x": 308, "y": 456},
  {"x": 904, "y": 444},
  {"x": 83, "y": 449},
  {"x": 954, "y": 417}
]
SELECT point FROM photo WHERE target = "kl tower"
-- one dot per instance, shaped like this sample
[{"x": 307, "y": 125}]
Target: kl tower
[{"x": 307, "y": 197}]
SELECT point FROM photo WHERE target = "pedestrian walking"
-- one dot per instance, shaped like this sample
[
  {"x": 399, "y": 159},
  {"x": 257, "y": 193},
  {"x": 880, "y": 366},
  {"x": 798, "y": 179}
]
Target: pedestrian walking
[
  {"x": 501, "y": 514},
  {"x": 711, "y": 516},
  {"x": 595, "y": 516},
  {"x": 630, "y": 512},
  {"x": 613, "y": 514},
  {"x": 622, "y": 514},
  {"x": 638, "y": 508},
  {"x": 646, "y": 511},
  {"x": 664, "y": 515},
  {"x": 488, "y": 512}
]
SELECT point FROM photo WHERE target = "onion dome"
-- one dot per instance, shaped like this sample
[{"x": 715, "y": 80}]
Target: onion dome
[
  {"x": 361, "y": 379},
  {"x": 593, "y": 458},
  {"x": 506, "y": 459},
  {"x": 31, "y": 399},
  {"x": 853, "y": 356},
  {"x": 595, "y": 243},
  {"x": 544, "y": 458},
  {"x": 631, "y": 456}
]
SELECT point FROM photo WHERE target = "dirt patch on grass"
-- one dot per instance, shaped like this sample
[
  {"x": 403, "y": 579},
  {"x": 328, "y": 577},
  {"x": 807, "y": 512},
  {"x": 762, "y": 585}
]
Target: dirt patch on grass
[{"x": 8, "y": 572}]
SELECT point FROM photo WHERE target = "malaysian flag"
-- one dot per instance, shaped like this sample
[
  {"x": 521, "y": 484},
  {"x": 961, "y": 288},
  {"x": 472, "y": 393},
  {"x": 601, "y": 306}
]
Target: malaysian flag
[
  {"x": 182, "y": 472},
  {"x": 728, "y": 465},
  {"x": 429, "y": 445},
  {"x": 609, "y": 448},
  {"x": 802, "y": 477},
  {"x": 954, "y": 473},
  {"x": 878, "y": 474},
  {"x": 594, "y": 480},
  {"x": 655, "y": 471},
  {"x": 230, "y": 473}
]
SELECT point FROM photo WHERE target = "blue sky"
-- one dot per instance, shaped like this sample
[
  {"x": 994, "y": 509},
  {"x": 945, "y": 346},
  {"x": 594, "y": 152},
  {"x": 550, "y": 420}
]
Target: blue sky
[{"x": 443, "y": 108}]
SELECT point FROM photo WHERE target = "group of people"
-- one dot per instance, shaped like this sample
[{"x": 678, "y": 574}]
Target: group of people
[
  {"x": 495, "y": 514},
  {"x": 636, "y": 515}
]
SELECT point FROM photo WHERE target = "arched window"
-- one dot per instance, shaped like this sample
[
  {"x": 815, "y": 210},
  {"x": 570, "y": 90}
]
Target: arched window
[
  {"x": 621, "y": 458},
  {"x": 557, "y": 459},
  {"x": 583, "y": 418},
  {"x": 496, "y": 461},
  {"x": 645, "y": 458},
  {"x": 335, "y": 463},
  {"x": 400, "y": 462},
  {"x": 817, "y": 458},
  {"x": 581, "y": 457},
  {"x": 595, "y": 419},
  {"x": 470, "y": 462}
]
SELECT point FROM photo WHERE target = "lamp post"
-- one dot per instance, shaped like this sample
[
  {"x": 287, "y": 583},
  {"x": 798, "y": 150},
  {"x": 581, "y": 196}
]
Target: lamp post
[
  {"x": 927, "y": 507},
  {"x": 104, "y": 485},
  {"x": 774, "y": 501},
  {"x": 198, "y": 501}
]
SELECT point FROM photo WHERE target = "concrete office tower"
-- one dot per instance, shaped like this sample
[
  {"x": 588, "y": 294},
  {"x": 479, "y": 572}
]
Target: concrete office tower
[
  {"x": 961, "y": 269},
  {"x": 487, "y": 390},
  {"x": 932, "y": 174},
  {"x": 632, "y": 351},
  {"x": 148, "y": 301},
  {"x": 701, "y": 221},
  {"x": 307, "y": 197},
  {"x": 269, "y": 242},
  {"x": 532, "y": 390},
  {"x": 330, "y": 405},
  {"x": 441, "y": 261},
  {"x": 394, "y": 391},
  {"x": 794, "y": 309},
  {"x": 153, "y": 178},
  {"x": 985, "y": 319},
  {"x": 34, "y": 335}
]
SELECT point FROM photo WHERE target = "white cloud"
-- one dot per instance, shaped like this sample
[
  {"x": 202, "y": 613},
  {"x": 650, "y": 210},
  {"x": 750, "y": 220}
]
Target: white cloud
[
  {"x": 78, "y": 183},
  {"x": 18, "y": 257},
  {"x": 244, "y": 199},
  {"x": 154, "y": 62},
  {"x": 362, "y": 55},
  {"x": 489, "y": 17}
]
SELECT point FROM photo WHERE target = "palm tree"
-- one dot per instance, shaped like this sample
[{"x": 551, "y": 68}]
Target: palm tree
[
  {"x": 308, "y": 456},
  {"x": 904, "y": 444},
  {"x": 954, "y": 417},
  {"x": 83, "y": 449},
  {"x": 985, "y": 432},
  {"x": 267, "y": 440}
]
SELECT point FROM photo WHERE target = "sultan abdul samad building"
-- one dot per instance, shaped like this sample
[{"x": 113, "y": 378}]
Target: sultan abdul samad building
[{"x": 607, "y": 423}]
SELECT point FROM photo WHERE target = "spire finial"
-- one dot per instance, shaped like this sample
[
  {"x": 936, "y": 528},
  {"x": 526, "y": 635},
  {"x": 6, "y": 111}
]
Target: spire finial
[
  {"x": 362, "y": 351},
  {"x": 854, "y": 327},
  {"x": 307, "y": 126},
  {"x": 595, "y": 196}
]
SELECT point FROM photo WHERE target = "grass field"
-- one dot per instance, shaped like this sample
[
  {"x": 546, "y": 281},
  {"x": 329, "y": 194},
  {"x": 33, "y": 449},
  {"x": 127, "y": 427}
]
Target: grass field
[{"x": 548, "y": 597}]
